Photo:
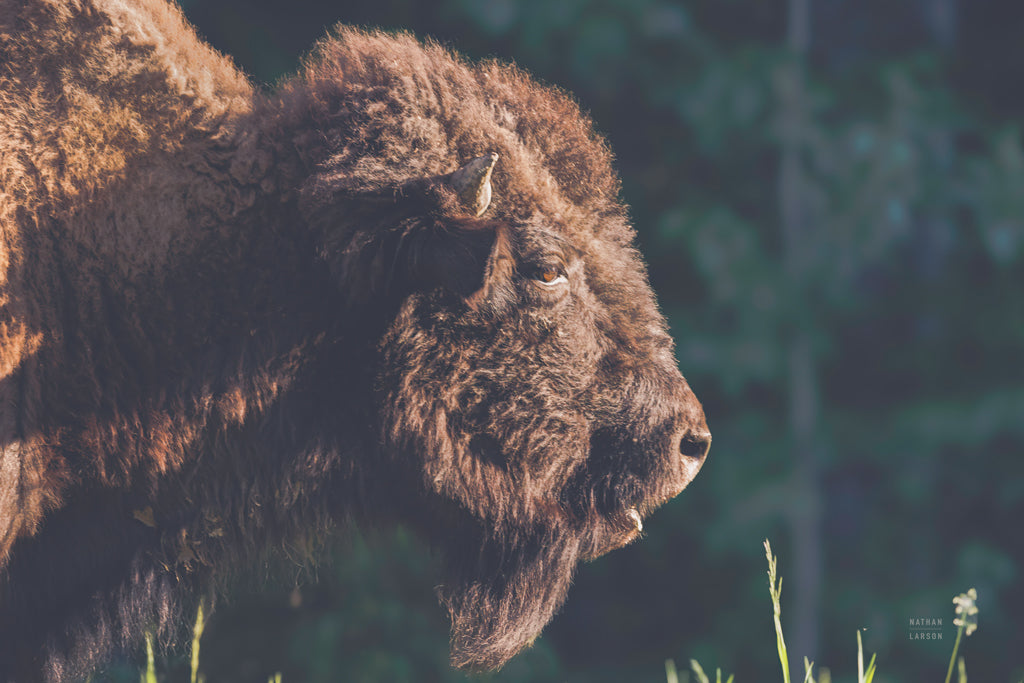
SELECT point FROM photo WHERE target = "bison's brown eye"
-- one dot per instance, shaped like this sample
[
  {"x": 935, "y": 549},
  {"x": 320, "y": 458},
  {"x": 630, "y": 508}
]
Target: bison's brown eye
[{"x": 549, "y": 275}]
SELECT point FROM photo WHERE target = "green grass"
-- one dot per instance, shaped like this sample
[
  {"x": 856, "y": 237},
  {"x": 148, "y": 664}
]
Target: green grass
[
  {"x": 775, "y": 589},
  {"x": 966, "y": 621},
  {"x": 673, "y": 674},
  {"x": 149, "y": 675},
  {"x": 197, "y": 633}
]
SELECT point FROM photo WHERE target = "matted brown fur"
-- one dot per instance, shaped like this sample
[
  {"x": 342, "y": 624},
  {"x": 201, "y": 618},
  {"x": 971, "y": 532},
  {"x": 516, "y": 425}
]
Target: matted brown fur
[{"x": 230, "y": 319}]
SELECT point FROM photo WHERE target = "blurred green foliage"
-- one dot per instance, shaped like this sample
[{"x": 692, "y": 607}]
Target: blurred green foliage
[{"x": 906, "y": 285}]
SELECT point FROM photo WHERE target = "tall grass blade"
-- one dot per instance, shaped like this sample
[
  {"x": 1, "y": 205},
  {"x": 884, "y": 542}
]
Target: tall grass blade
[
  {"x": 860, "y": 659},
  {"x": 150, "y": 675},
  {"x": 952, "y": 657},
  {"x": 776, "y": 593},
  {"x": 869, "y": 675},
  {"x": 701, "y": 676},
  {"x": 197, "y": 633},
  {"x": 671, "y": 675}
]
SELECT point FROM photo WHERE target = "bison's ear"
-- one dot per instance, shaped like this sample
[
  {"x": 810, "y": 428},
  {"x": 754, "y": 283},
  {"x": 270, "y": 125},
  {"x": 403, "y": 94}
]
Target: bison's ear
[
  {"x": 461, "y": 255},
  {"x": 382, "y": 264},
  {"x": 384, "y": 242},
  {"x": 454, "y": 257}
]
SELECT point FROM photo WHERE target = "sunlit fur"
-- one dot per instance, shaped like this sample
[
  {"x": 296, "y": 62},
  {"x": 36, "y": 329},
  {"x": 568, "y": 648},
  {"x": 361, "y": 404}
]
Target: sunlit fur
[{"x": 231, "y": 319}]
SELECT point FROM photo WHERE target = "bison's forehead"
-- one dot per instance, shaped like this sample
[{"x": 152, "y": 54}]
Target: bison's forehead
[{"x": 394, "y": 108}]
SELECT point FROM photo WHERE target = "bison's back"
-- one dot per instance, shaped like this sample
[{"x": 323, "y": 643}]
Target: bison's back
[
  {"x": 114, "y": 120},
  {"x": 101, "y": 105},
  {"x": 89, "y": 86}
]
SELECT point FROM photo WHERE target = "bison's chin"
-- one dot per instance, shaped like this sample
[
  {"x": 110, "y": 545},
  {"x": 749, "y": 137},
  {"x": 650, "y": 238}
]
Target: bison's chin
[
  {"x": 502, "y": 594},
  {"x": 608, "y": 533}
]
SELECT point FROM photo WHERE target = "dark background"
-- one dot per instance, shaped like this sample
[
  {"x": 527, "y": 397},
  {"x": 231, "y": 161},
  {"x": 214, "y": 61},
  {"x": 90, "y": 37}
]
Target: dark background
[{"x": 830, "y": 195}]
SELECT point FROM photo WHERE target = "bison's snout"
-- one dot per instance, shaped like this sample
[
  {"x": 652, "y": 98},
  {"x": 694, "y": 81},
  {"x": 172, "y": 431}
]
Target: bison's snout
[
  {"x": 694, "y": 445},
  {"x": 694, "y": 435}
]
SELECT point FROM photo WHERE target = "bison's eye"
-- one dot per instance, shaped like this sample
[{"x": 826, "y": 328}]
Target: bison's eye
[{"x": 549, "y": 276}]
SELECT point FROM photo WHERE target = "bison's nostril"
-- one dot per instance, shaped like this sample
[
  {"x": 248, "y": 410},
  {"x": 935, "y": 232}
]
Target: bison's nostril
[{"x": 695, "y": 444}]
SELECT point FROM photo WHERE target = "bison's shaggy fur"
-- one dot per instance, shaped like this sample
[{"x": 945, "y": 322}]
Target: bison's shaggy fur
[{"x": 230, "y": 319}]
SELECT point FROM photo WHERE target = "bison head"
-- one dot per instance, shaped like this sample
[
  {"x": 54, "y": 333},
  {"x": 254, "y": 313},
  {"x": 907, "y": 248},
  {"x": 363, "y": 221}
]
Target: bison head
[{"x": 524, "y": 383}]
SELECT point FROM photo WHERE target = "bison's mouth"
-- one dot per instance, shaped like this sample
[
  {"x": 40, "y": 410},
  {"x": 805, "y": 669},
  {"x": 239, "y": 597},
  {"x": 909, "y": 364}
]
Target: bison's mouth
[
  {"x": 625, "y": 478},
  {"x": 611, "y": 532},
  {"x": 634, "y": 517},
  {"x": 627, "y": 527}
]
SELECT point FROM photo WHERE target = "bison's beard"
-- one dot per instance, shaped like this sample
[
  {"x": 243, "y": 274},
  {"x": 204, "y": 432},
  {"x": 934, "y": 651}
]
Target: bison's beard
[{"x": 503, "y": 593}]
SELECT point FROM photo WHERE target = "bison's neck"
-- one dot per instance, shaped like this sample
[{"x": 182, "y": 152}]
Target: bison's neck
[{"x": 188, "y": 309}]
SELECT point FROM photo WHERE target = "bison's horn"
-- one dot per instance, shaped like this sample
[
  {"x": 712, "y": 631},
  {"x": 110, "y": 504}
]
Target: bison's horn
[{"x": 472, "y": 183}]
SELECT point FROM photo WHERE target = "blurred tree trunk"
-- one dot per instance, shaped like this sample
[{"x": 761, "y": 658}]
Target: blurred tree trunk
[
  {"x": 804, "y": 399},
  {"x": 941, "y": 17}
]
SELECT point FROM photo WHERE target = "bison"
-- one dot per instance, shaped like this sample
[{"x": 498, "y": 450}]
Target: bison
[{"x": 400, "y": 288}]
